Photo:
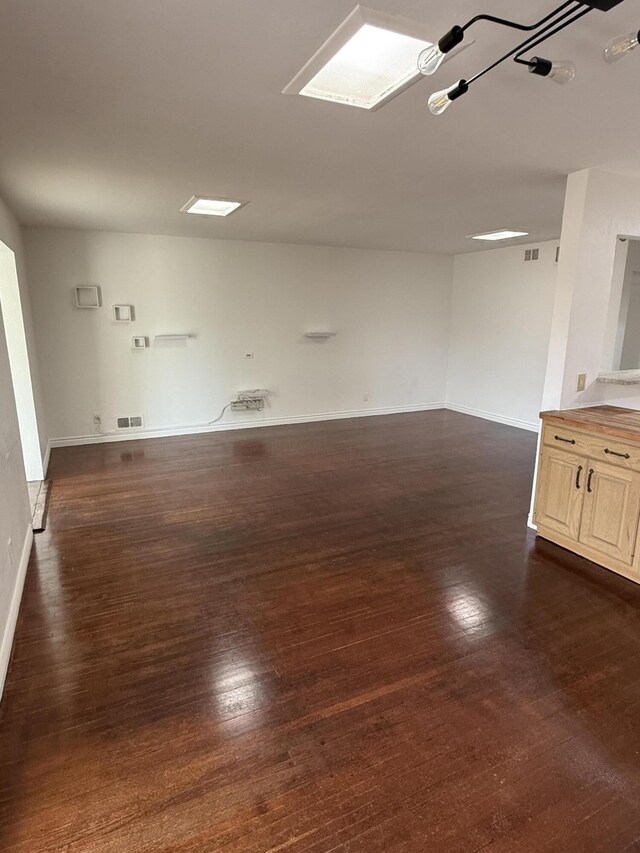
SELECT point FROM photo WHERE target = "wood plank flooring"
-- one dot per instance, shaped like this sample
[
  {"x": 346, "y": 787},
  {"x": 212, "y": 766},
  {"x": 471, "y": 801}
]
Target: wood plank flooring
[{"x": 324, "y": 637}]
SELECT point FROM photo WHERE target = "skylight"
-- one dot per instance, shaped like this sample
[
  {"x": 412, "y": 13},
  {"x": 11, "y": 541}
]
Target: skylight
[
  {"x": 505, "y": 234},
  {"x": 368, "y": 60},
  {"x": 211, "y": 206}
]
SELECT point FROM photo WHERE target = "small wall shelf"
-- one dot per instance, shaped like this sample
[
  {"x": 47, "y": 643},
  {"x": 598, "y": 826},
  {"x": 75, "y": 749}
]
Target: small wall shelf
[
  {"x": 87, "y": 296},
  {"x": 123, "y": 313},
  {"x": 177, "y": 337},
  {"x": 321, "y": 336}
]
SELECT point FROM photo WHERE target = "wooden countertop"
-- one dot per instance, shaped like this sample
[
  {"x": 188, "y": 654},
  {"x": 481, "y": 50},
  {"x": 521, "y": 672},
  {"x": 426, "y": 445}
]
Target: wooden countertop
[{"x": 611, "y": 420}]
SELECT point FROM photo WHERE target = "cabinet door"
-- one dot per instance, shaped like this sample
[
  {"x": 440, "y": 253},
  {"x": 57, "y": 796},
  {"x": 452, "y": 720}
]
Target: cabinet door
[
  {"x": 611, "y": 507},
  {"x": 560, "y": 492}
]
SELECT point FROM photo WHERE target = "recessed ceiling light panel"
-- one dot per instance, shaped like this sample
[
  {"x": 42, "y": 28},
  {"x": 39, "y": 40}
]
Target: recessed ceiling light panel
[
  {"x": 504, "y": 234},
  {"x": 368, "y": 60},
  {"x": 211, "y": 206}
]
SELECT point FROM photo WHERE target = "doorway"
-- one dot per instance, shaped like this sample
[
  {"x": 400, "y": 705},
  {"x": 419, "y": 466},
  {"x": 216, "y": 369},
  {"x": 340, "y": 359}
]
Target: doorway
[{"x": 15, "y": 335}]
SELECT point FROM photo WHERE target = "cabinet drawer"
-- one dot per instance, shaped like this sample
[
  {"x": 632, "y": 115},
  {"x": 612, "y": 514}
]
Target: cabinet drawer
[{"x": 601, "y": 448}]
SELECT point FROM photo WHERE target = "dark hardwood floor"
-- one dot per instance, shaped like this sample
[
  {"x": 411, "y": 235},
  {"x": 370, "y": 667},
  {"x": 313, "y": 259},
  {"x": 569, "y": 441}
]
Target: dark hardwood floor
[{"x": 325, "y": 637}]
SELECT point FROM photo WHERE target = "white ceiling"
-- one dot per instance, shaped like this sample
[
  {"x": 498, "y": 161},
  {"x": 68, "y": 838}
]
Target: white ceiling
[{"x": 114, "y": 112}]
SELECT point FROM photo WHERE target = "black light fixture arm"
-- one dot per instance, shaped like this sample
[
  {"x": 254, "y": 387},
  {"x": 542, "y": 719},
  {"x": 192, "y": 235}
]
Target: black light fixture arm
[
  {"x": 455, "y": 35},
  {"x": 558, "y": 24},
  {"x": 535, "y": 41},
  {"x": 513, "y": 24}
]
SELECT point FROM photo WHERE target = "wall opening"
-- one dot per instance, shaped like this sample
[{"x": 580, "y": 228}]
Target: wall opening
[{"x": 13, "y": 320}]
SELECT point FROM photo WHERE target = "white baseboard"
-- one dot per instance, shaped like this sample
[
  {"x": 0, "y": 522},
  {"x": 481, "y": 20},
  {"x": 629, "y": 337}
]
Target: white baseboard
[
  {"x": 12, "y": 618},
  {"x": 195, "y": 429},
  {"x": 45, "y": 460},
  {"x": 490, "y": 416}
]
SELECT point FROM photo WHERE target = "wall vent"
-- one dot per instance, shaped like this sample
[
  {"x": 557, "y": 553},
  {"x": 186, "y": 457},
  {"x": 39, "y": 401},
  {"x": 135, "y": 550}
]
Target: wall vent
[
  {"x": 531, "y": 254},
  {"x": 130, "y": 422}
]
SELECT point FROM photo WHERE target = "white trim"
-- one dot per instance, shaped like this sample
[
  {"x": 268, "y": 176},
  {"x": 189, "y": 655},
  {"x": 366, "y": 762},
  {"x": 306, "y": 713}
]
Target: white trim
[
  {"x": 530, "y": 521},
  {"x": 490, "y": 416},
  {"x": 195, "y": 429},
  {"x": 12, "y": 617},
  {"x": 46, "y": 458}
]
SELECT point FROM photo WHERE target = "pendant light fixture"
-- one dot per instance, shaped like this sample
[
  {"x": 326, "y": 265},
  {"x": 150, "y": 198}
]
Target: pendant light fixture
[{"x": 562, "y": 71}]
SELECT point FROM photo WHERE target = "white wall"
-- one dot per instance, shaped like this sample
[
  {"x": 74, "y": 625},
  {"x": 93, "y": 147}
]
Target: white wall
[
  {"x": 598, "y": 207},
  {"x": 16, "y": 343},
  {"x": 390, "y": 311},
  {"x": 11, "y": 235},
  {"x": 500, "y": 325},
  {"x": 15, "y": 519},
  {"x": 629, "y": 311}
]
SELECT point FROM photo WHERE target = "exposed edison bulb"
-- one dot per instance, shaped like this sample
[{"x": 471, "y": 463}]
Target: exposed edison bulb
[
  {"x": 441, "y": 101},
  {"x": 432, "y": 57},
  {"x": 619, "y": 46},
  {"x": 562, "y": 72},
  {"x": 430, "y": 60}
]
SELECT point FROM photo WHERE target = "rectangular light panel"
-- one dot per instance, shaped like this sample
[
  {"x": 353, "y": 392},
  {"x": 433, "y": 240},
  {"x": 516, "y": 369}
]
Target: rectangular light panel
[
  {"x": 369, "y": 59},
  {"x": 211, "y": 206},
  {"x": 500, "y": 235},
  {"x": 370, "y": 67}
]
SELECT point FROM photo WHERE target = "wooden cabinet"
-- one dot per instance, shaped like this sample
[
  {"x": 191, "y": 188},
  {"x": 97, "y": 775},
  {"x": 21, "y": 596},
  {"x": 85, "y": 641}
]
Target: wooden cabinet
[
  {"x": 588, "y": 487},
  {"x": 610, "y": 514},
  {"x": 560, "y": 492}
]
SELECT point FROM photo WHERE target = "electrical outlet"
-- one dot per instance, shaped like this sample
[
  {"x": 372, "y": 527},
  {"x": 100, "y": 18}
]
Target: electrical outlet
[
  {"x": 366, "y": 398},
  {"x": 97, "y": 419},
  {"x": 248, "y": 354},
  {"x": 581, "y": 382}
]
